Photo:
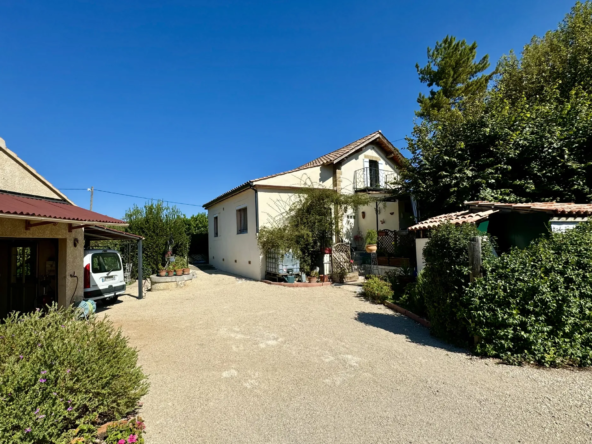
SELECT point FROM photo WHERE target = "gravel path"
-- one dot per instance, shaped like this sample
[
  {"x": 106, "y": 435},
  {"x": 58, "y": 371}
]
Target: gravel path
[{"x": 234, "y": 361}]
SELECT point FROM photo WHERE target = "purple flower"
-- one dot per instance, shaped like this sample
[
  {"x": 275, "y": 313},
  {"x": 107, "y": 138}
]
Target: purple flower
[
  {"x": 36, "y": 411},
  {"x": 42, "y": 380},
  {"x": 55, "y": 394},
  {"x": 38, "y": 345},
  {"x": 41, "y": 417},
  {"x": 28, "y": 430},
  {"x": 63, "y": 326},
  {"x": 69, "y": 401},
  {"x": 21, "y": 356},
  {"x": 68, "y": 371},
  {"x": 69, "y": 408},
  {"x": 43, "y": 372}
]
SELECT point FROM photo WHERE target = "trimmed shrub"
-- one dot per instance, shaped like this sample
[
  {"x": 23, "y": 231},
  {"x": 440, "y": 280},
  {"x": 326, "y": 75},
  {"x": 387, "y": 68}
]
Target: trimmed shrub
[
  {"x": 446, "y": 278},
  {"x": 377, "y": 289},
  {"x": 535, "y": 305},
  {"x": 412, "y": 298},
  {"x": 58, "y": 372},
  {"x": 371, "y": 237}
]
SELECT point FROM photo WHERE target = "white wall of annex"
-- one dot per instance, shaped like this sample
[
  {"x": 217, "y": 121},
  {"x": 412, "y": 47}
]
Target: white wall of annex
[{"x": 232, "y": 252}]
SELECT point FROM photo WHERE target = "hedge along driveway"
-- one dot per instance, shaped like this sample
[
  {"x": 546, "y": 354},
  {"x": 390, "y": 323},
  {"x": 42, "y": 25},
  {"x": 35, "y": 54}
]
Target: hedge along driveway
[{"x": 234, "y": 361}]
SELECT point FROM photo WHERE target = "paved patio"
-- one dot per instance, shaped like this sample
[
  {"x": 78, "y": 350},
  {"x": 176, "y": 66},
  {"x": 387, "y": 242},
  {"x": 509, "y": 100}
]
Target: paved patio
[{"x": 234, "y": 361}]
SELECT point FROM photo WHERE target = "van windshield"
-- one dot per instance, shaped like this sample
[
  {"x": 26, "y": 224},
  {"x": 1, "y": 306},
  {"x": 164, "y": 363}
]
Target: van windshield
[{"x": 105, "y": 262}]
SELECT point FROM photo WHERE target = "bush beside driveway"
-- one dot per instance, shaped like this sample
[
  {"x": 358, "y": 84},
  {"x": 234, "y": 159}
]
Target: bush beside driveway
[{"x": 238, "y": 361}]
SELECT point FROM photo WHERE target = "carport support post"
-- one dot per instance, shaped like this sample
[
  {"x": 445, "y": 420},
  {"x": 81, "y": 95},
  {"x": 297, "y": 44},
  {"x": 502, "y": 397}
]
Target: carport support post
[{"x": 140, "y": 277}]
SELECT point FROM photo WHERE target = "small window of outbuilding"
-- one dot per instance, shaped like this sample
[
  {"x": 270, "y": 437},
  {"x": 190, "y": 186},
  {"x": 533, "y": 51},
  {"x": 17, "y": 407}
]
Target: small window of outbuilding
[
  {"x": 241, "y": 221},
  {"x": 215, "y": 226}
]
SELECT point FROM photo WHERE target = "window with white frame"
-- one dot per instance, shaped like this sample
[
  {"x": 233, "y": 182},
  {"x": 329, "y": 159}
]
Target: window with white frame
[
  {"x": 215, "y": 226},
  {"x": 241, "y": 221}
]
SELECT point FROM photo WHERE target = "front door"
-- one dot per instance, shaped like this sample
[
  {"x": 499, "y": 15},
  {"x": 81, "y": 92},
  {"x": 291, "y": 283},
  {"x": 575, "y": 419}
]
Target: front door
[{"x": 23, "y": 277}]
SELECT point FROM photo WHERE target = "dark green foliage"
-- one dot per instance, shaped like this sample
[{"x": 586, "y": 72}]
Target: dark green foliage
[
  {"x": 445, "y": 279},
  {"x": 520, "y": 140},
  {"x": 196, "y": 224},
  {"x": 407, "y": 290},
  {"x": 453, "y": 69},
  {"x": 371, "y": 237},
  {"x": 377, "y": 289},
  {"x": 157, "y": 223},
  {"x": 535, "y": 304},
  {"x": 58, "y": 372},
  {"x": 309, "y": 224}
]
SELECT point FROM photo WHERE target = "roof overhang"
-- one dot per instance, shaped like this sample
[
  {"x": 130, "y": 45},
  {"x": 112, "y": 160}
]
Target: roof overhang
[
  {"x": 95, "y": 232},
  {"x": 381, "y": 140},
  {"x": 234, "y": 191},
  {"x": 26, "y": 208}
]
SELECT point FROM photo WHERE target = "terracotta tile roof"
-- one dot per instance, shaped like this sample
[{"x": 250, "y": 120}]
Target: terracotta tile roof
[
  {"x": 555, "y": 208},
  {"x": 330, "y": 158},
  {"x": 44, "y": 209},
  {"x": 459, "y": 218}
]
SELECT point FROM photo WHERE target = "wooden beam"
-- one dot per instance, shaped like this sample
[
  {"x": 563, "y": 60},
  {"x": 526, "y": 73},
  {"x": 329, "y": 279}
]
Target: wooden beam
[
  {"x": 71, "y": 228},
  {"x": 29, "y": 225}
]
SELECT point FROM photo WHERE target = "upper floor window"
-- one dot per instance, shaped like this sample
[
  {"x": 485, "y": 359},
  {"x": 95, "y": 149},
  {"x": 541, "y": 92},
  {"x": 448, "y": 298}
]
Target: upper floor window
[
  {"x": 241, "y": 221},
  {"x": 215, "y": 226}
]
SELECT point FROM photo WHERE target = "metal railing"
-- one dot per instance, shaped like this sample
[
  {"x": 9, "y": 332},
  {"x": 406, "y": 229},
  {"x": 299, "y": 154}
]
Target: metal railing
[{"x": 373, "y": 179}]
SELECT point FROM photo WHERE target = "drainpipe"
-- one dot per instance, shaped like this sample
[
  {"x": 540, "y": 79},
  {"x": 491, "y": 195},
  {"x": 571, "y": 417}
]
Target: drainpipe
[
  {"x": 256, "y": 207},
  {"x": 376, "y": 210}
]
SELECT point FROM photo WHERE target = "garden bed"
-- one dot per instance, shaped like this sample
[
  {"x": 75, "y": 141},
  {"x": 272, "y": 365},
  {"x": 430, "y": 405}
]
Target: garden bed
[{"x": 298, "y": 284}]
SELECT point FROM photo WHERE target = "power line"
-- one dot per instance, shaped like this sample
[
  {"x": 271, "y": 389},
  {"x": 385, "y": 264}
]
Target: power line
[{"x": 130, "y": 195}]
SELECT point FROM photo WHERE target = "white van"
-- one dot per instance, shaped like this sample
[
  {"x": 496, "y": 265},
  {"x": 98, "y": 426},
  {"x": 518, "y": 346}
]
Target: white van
[{"x": 103, "y": 275}]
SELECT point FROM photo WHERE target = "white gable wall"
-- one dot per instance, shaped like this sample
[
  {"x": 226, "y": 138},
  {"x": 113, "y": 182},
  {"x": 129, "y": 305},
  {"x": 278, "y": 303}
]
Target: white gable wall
[
  {"x": 356, "y": 161},
  {"x": 315, "y": 176},
  {"x": 231, "y": 252}
]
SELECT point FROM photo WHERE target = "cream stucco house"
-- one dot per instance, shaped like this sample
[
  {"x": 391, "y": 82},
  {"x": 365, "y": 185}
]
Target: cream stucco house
[{"x": 367, "y": 165}]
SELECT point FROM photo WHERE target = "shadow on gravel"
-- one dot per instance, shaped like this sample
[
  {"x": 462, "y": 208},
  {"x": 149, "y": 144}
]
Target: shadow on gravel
[{"x": 400, "y": 325}]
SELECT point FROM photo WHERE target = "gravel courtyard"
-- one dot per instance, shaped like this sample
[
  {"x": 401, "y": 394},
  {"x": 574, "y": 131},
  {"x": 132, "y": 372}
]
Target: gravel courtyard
[{"x": 234, "y": 361}]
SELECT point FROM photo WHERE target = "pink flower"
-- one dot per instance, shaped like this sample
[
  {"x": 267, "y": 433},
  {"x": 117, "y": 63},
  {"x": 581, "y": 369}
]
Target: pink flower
[
  {"x": 121, "y": 441},
  {"x": 69, "y": 409},
  {"x": 28, "y": 430},
  {"x": 43, "y": 372},
  {"x": 68, "y": 371},
  {"x": 42, "y": 380},
  {"x": 133, "y": 438}
]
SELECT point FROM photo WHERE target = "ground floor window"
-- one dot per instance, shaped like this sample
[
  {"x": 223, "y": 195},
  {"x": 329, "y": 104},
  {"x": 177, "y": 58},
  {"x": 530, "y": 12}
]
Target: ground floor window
[
  {"x": 241, "y": 221},
  {"x": 215, "y": 226}
]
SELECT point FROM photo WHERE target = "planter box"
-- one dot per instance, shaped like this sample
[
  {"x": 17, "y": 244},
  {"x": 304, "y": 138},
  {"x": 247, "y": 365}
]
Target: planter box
[
  {"x": 398, "y": 262},
  {"x": 383, "y": 260}
]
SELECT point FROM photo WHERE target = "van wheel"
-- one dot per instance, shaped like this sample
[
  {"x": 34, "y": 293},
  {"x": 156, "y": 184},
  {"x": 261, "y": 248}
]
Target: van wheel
[{"x": 112, "y": 300}]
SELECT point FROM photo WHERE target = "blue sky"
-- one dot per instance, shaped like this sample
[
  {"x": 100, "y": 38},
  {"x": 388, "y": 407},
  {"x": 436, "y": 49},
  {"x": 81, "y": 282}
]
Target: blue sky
[{"x": 183, "y": 100}]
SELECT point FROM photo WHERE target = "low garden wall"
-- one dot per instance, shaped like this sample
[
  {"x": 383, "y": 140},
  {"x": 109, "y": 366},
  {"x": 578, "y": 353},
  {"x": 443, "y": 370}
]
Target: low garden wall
[{"x": 170, "y": 282}]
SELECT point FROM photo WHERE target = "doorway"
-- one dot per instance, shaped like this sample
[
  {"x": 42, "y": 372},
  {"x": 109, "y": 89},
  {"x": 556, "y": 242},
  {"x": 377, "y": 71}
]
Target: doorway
[{"x": 27, "y": 274}]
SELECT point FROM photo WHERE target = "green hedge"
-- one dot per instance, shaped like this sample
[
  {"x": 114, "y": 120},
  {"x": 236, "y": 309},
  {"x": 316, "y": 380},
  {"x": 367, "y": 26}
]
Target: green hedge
[
  {"x": 58, "y": 372},
  {"x": 445, "y": 279},
  {"x": 535, "y": 305},
  {"x": 377, "y": 289}
]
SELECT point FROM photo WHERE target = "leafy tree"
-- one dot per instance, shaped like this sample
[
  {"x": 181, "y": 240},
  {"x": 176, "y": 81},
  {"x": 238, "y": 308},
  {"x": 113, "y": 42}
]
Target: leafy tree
[
  {"x": 528, "y": 138},
  {"x": 158, "y": 224},
  {"x": 197, "y": 224},
  {"x": 452, "y": 68}
]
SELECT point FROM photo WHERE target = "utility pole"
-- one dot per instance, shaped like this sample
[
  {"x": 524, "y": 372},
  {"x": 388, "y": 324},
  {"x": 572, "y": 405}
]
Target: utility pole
[{"x": 92, "y": 192}]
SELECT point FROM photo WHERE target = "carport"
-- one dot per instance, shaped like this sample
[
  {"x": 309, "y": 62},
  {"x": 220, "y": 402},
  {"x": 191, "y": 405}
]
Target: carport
[{"x": 98, "y": 233}]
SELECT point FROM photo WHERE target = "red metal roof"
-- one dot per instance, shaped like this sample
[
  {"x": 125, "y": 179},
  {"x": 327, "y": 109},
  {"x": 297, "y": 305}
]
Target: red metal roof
[
  {"x": 557, "y": 208},
  {"x": 39, "y": 208}
]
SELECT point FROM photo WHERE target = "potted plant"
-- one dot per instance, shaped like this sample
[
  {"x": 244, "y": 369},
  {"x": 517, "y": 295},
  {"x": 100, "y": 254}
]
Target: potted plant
[
  {"x": 161, "y": 271},
  {"x": 312, "y": 278},
  {"x": 371, "y": 241},
  {"x": 170, "y": 270},
  {"x": 324, "y": 278}
]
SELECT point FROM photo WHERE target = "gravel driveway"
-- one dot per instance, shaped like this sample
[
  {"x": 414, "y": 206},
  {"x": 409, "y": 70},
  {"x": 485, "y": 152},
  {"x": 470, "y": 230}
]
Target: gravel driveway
[{"x": 234, "y": 361}]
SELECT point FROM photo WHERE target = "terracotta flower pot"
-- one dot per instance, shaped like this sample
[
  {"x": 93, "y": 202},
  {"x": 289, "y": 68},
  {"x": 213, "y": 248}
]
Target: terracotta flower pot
[
  {"x": 170, "y": 272},
  {"x": 371, "y": 248},
  {"x": 186, "y": 270},
  {"x": 162, "y": 273},
  {"x": 311, "y": 279},
  {"x": 179, "y": 271},
  {"x": 325, "y": 278}
]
